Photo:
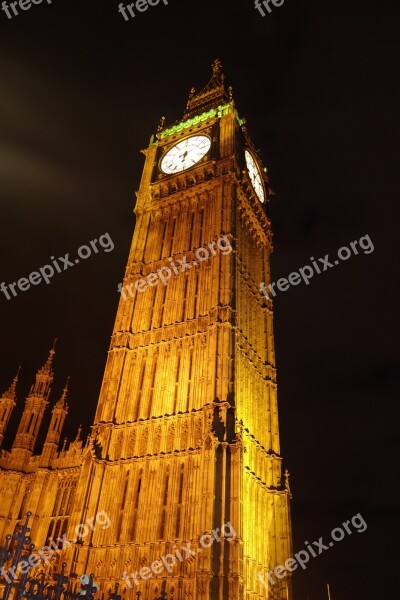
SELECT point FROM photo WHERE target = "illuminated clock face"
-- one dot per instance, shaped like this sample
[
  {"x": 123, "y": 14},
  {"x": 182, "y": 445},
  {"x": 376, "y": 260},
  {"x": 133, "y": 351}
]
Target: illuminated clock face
[
  {"x": 255, "y": 176},
  {"x": 185, "y": 154}
]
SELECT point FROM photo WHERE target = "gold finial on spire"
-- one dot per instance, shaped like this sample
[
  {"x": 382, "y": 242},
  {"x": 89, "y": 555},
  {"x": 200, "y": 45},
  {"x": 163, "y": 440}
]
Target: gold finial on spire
[
  {"x": 191, "y": 94},
  {"x": 13, "y": 386},
  {"x": 11, "y": 392},
  {"x": 161, "y": 125},
  {"x": 217, "y": 66},
  {"x": 62, "y": 401},
  {"x": 47, "y": 366},
  {"x": 217, "y": 71},
  {"x": 66, "y": 384},
  {"x": 287, "y": 486},
  {"x": 287, "y": 475},
  {"x": 44, "y": 377},
  {"x": 78, "y": 435}
]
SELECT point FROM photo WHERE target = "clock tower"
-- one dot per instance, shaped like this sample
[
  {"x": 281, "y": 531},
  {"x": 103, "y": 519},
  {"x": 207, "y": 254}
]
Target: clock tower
[{"x": 185, "y": 442}]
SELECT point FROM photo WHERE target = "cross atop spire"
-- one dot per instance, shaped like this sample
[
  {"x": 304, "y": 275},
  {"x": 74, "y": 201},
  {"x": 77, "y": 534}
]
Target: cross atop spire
[{"x": 213, "y": 95}]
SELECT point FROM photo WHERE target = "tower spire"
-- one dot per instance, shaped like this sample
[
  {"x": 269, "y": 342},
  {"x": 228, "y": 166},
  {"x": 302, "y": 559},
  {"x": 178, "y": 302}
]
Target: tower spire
[
  {"x": 35, "y": 405},
  {"x": 78, "y": 434},
  {"x": 11, "y": 392},
  {"x": 58, "y": 415},
  {"x": 49, "y": 362},
  {"x": 62, "y": 401},
  {"x": 44, "y": 376},
  {"x": 7, "y": 403},
  {"x": 212, "y": 95}
]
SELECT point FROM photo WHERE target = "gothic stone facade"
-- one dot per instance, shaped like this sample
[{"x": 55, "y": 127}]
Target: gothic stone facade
[{"x": 44, "y": 483}]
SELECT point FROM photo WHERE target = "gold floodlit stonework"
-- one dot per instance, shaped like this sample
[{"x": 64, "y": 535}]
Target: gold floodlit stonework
[{"x": 185, "y": 437}]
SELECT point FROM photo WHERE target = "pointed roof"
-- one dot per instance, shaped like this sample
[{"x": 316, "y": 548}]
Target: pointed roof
[
  {"x": 62, "y": 401},
  {"x": 44, "y": 377},
  {"x": 47, "y": 367},
  {"x": 214, "y": 94},
  {"x": 11, "y": 392}
]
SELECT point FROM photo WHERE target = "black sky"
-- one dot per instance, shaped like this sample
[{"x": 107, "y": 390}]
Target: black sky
[{"x": 82, "y": 91}]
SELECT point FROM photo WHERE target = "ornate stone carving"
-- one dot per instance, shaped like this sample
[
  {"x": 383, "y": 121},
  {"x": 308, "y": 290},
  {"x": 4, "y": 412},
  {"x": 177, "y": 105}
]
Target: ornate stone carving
[
  {"x": 171, "y": 437},
  {"x": 131, "y": 443},
  {"x": 118, "y": 445},
  {"x": 143, "y": 441},
  {"x": 157, "y": 440}
]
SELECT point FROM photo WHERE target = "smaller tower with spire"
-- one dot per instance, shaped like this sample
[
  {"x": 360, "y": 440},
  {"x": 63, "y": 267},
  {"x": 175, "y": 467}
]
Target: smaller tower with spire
[
  {"x": 58, "y": 415},
  {"x": 7, "y": 403},
  {"x": 35, "y": 406}
]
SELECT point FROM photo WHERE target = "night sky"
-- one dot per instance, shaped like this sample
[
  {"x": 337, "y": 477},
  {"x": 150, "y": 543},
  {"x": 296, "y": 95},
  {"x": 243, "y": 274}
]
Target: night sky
[{"x": 82, "y": 91}]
